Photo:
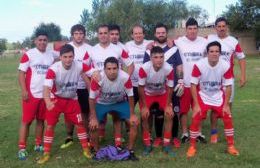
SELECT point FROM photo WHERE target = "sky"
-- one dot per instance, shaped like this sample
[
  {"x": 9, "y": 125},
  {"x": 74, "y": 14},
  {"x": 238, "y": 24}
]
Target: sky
[{"x": 20, "y": 17}]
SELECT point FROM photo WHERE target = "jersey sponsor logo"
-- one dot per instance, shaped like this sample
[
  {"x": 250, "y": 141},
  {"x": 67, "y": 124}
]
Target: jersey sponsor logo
[
  {"x": 69, "y": 87},
  {"x": 225, "y": 55},
  {"x": 137, "y": 56},
  {"x": 192, "y": 56},
  {"x": 211, "y": 86},
  {"x": 155, "y": 86},
  {"x": 41, "y": 69}
]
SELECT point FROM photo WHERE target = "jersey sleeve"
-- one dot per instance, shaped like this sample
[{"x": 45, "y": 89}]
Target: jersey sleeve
[
  {"x": 125, "y": 58},
  {"x": 195, "y": 75},
  {"x": 146, "y": 57},
  {"x": 239, "y": 53},
  {"x": 142, "y": 77},
  {"x": 94, "y": 89},
  {"x": 129, "y": 87},
  {"x": 87, "y": 70},
  {"x": 227, "y": 77},
  {"x": 24, "y": 63},
  {"x": 86, "y": 59},
  {"x": 169, "y": 79},
  {"x": 50, "y": 77}
]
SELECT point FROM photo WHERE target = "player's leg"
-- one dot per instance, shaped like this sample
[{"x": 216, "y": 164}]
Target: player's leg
[
  {"x": 117, "y": 130},
  {"x": 69, "y": 138},
  {"x": 175, "y": 126},
  {"x": 158, "y": 123}
]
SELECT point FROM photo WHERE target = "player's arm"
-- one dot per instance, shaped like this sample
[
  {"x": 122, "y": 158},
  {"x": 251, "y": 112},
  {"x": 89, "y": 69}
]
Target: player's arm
[
  {"x": 93, "y": 93},
  {"x": 47, "y": 87},
  {"x": 127, "y": 62},
  {"x": 130, "y": 69},
  {"x": 141, "y": 92},
  {"x": 226, "y": 107},
  {"x": 21, "y": 79},
  {"x": 193, "y": 89},
  {"x": 242, "y": 65},
  {"x": 169, "y": 91},
  {"x": 179, "y": 88}
]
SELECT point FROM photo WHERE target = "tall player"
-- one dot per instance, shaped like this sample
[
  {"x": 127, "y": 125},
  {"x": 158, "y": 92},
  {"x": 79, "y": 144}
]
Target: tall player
[
  {"x": 230, "y": 49},
  {"x": 171, "y": 56},
  {"x": 78, "y": 34},
  {"x": 209, "y": 76},
  {"x": 192, "y": 48},
  {"x": 32, "y": 69}
]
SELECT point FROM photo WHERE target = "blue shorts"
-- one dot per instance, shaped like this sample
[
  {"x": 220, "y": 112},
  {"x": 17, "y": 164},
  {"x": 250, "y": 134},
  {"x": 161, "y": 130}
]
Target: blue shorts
[{"x": 122, "y": 110}]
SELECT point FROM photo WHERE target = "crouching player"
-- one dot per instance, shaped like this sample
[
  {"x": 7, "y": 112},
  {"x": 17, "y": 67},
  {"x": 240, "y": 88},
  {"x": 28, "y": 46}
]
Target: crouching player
[
  {"x": 155, "y": 87},
  {"x": 209, "y": 76},
  {"x": 109, "y": 95},
  {"x": 60, "y": 96}
]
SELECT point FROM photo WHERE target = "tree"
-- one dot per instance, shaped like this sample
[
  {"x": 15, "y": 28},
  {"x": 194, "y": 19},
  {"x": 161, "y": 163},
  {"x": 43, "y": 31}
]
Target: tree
[
  {"x": 53, "y": 31},
  {"x": 201, "y": 15},
  {"x": 2, "y": 45},
  {"x": 27, "y": 43}
]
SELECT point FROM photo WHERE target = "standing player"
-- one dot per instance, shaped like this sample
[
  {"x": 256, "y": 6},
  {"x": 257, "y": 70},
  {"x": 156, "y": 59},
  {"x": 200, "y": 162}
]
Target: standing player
[
  {"x": 171, "y": 56},
  {"x": 32, "y": 69},
  {"x": 60, "y": 96},
  {"x": 192, "y": 48},
  {"x": 155, "y": 87},
  {"x": 78, "y": 34},
  {"x": 109, "y": 95},
  {"x": 230, "y": 49},
  {"x": 209, "y": 76}
]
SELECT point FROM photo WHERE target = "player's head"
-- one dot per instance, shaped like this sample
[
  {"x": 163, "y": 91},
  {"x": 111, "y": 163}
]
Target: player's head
[
  {"x": 221, "y": 26},
  {"x": 138, "y": 34},
  {"x": 103, "y": 34},
  {"x": 160, "y": 32},
  {"x": 41, "y": 40},
  {"x": 67, "y": 55},
  {"x": 213, "y": 51},
  {"x": 157, "y": 57},
  {"x": 114, "y": 33},
  {"x": 78, "y": 33},
  {"x": 111, "y": 68},
  {"x": 191, "y": 28}
]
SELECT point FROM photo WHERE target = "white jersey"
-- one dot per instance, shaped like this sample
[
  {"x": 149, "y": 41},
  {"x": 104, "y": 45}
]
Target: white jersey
[
  {"x": 111, "y": 92},
  {"x": 136, "y": 53},
  {"x": 191, "y": 52},
  {"x": 64, "y": 82},
  {"x": 98, "y": 55},
  {"x": 155, "y": 82},
  {"x": 211, "y": 80},
  {"x": 229, "y": 48},
  {"x": 81, "y": 54},
  {"x": 35, "y": 65}
]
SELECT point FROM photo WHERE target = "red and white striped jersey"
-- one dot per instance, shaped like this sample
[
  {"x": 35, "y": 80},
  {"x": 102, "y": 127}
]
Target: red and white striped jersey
[
  {"x": 155, "y": 82},
  {"x": 191, "y": 52},
  {"x": 64, "y": 82},
  {"x": 229, "y": 48},
  {"x": 110, "y": 92},
  {"x": 210, "y": 80},
  {"x": 35, "y": 65}
]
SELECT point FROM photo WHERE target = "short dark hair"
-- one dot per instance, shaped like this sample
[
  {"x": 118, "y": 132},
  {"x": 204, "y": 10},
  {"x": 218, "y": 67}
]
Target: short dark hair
[
  {"x": 114, "y": 27},
  {"x": 41, "y": 33},
  {"x": 112, "y": 60},
  {"x": 159, "y": 25},
  {"x": 221, "y": 19},
  {"x": 156, "y": 49},
  {"x": 138, "y": 25},
  {"x": 191, "y": 22},
  {"x": 102, "y": 25},
  {"x": 66, "y": 48},
  {"x": 214, "y": 43},
  {"x": 77, "y": 27}
]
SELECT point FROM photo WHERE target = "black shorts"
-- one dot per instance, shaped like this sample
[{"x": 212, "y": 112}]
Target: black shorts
[
  {"x": 136, "y": 95},
  {"x": 175, "y": 103},
  {"x": 83, "y": 100}
]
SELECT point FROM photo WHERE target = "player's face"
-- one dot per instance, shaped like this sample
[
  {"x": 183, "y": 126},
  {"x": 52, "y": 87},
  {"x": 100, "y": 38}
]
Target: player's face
[
  {"x": 78, "y": 37},
  {"x": 161, "y": 35},
  {"x": 103, "y": 35},
  {"x": 114, "y": 36},
  {"x": 111, "y": 71},
  {"x": 157, "y": 60},
  {"x": 138, "y": 35},
  {"x": 221, "y": 29},
  {"x": 213, "y": 54},
  {"x": 41, "y": 43},
  {"x": 192, "y": 32},
  {"x": 67, "y": 59}
]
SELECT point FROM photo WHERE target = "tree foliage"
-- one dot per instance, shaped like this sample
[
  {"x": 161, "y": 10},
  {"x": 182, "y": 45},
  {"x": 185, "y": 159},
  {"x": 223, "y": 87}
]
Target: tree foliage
[
  {"x": 53, "y": 31},
  {"x": 3, "y": 43}
]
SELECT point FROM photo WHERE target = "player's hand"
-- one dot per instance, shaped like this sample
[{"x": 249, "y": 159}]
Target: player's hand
[
  {"x": 169, "y": 43},
  {"x": 134, "y": 120},
  {"x": 179, "y": 88},
  {"x": 242, "y": 81},
  {"x": 93, "y": 123},
  {"x": 96, "y": 76},
  {"x": 25, "y": 95},
  {"x": 226, "y": 109},
  {"x": 168, "y": 111},
  {"x": 196, "y": 109},
  {"x": 145, "y": 112},
  {"x": 150, "y": 46},
  {"x": 50, "y": 104}
]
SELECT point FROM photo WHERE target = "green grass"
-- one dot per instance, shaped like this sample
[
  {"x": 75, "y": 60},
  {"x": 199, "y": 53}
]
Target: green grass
[{"x": 246, "y": 121}]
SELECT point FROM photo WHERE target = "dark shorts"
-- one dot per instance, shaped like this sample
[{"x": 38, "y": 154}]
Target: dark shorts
[
  {"x": 136, "y": 95},
  {"x": 83, "y": 100}
]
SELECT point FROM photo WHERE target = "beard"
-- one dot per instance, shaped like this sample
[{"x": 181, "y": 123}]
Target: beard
[{"x": 161, "y": 40}]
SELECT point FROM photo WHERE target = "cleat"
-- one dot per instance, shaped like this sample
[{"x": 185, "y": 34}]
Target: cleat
[
  {"x": 22, "y": 154},
  {"x": 87, "y": 153},
  {"x": 132, "y": 156},
  {"x": 147, "y": 150},
  {"x": 232, "y": 150},
  {"x": 191, "y": 152},
  {"x": 201, "y": 139},
  {"x": 44, "y": 158},
  {"x": 157, "y": 142},
  {"x": 184, "y": 139},
  {"x": 38, "y": 148},
  {"x": 214, "y": 138},
  {"x": 176, "y": 143},
  {"x": 68, "y": 143},
  {"x": 168, "y": 151}
]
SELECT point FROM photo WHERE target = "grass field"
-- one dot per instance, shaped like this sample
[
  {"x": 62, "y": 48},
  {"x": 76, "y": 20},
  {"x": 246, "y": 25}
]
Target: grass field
[{"x": 246, "y": 114}]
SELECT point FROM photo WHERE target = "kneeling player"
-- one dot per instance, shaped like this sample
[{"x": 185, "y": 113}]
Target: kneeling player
[
  {"x": 209, "y": 75},
  {"x": 60, "y": 95},
  {"x": 155, "y": 87},
  {"x": 108, "y": 96}
]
